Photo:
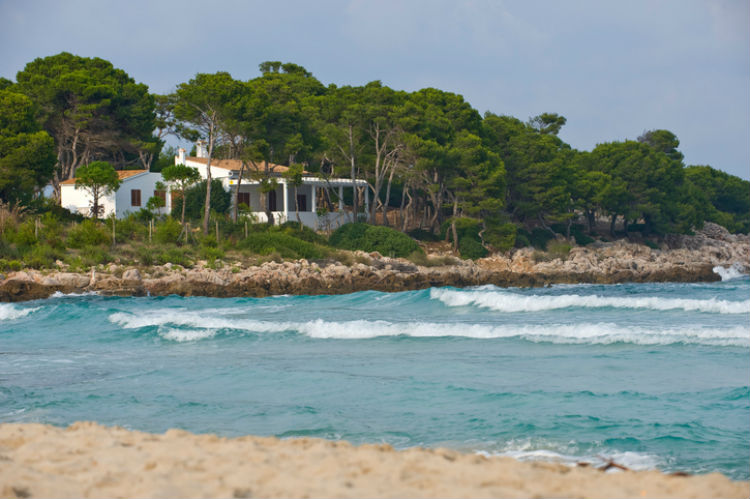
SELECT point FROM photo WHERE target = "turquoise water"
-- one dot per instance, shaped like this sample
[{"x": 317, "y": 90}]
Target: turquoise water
[{"x": 650, "y": 375}]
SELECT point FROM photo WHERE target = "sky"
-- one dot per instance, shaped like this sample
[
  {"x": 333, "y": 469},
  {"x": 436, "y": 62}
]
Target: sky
[{"x": 614, "y": 69}]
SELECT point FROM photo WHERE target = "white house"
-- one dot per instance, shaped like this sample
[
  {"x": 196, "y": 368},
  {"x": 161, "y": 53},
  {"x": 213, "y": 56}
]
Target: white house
[
  {"x": 135, "y": 190},
  {"x": 280, "y": 201},
  {"x": 139, "y": 185}
]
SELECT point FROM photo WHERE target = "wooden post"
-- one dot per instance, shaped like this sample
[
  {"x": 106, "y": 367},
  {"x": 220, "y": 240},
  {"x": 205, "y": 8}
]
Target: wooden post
[
  {"x": 217, "y": 231},
  {"x": 187, "y": 231},
  {"x": 114, "y": 241},
  {"x": 245, "y": 229},
  {"x": 150, "y": 229},
  {"x": 36, "y": 228}
]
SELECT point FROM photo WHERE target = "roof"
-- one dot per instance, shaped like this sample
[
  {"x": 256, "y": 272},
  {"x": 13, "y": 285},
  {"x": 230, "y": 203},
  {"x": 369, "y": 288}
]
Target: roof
[
  {"x": 121, "y": 174},
  {"x": 236, "y": 164}
]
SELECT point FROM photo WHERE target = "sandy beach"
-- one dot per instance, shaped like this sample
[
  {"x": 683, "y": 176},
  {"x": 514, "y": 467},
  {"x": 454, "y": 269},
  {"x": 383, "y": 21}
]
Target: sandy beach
[{"x": 89, "y": 460}]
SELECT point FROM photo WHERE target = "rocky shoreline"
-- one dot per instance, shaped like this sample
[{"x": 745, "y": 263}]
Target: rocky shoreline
[{"x": 679, "y": 259}]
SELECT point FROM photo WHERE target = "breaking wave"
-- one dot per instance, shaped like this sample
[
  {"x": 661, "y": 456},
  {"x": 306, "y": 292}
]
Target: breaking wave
[
  {"x": 9, "y": 312},
  {"x": 734, "y": 271},
  {"x": 179, "y": 325},
  {"x": 504, "y": 301}
]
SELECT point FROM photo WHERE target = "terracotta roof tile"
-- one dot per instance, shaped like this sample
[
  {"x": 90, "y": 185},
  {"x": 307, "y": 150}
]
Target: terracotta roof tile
[
  {"x": 235, "y": 164},
  {"x": 121, "y": 174}
]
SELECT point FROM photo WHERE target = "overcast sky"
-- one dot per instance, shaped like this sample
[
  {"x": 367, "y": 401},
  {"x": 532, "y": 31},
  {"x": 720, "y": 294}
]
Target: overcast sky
[{"x": 613, "y": 68}]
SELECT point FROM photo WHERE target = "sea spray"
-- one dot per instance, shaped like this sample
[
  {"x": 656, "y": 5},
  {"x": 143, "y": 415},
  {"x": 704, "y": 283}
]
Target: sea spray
[{"x": 734, "y": 271}]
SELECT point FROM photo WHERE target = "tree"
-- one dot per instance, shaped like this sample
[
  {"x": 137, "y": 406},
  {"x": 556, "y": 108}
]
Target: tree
[
  {"x": 547, "y": 123},
  {"x": 27, "y": 156},
  {"x": 183, "y": 177},
  {"x": 92, "y": 110},
  {"x": 99, "y": 179},
  {"x": 663, "y": 141},
  {"x": 204, "y": 102},
  {"x": 294, "y": 176}
]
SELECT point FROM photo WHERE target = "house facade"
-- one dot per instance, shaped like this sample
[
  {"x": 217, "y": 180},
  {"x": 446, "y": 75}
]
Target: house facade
[
  {"x": 136, "y": 187},
  {"x": 284, "y": 200}
]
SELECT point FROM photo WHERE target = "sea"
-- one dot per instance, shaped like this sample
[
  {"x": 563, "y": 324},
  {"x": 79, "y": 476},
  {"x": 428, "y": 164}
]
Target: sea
[{"x": 650, "y": 376}]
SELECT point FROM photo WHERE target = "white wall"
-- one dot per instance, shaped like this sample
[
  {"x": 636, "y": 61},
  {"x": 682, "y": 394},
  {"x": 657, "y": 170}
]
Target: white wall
[
  {"x": 79, "y": 200},
  {"x": 146, "y": 182}
]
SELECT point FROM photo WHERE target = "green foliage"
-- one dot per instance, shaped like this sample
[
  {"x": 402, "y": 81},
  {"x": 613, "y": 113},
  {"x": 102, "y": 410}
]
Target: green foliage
[
  {"x": 471, "y": 249},
  {"x": 276, "y": 242},
  {"x": 10, "y": 265},
  {"x": 364, "y": 237},
  {"x": 99, "y": 179},
  {"x": 167, "y": 231},
  {"x": 724, "y": 198},
  {"x": 88, "y": 233},
  {"x": 27, "y": 154},
  {"x": 539, "y": 238},
  {"x": 174, "y": 255},
  {"x": 195, "y": 198},
  {"x": 303, "y": 232},
  {"x": 501, "y": 236}
]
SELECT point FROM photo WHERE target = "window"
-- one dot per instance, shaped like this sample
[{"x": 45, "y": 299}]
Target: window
[
  {"x": 272, "y": 201},
  {"x": 302, "y": 202},
  {"x": 175, "y": 195},
  {"x": 135, "y": 197},
  {"x": 243, "y": 198},
  {"x": 161, "y": 195}
]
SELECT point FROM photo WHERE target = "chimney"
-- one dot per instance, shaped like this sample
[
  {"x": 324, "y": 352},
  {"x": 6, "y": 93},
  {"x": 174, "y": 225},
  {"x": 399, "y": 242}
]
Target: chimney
[
  {"x": 200, "y": 148},
  {"x": 180, "y": 158}
]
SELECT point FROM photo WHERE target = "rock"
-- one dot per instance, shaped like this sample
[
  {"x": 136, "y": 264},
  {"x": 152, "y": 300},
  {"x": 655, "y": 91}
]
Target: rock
[{"x": 132, "y": 275}]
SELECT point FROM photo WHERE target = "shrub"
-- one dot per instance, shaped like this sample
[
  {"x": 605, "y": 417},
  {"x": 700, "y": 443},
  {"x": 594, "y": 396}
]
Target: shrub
[
  {"x": 267, "y": 243},
  {"x": 131, "y": 228},
  {"x": 174, "y": 255},
  {"x": 303, "y": 232},
  {"x": 6, "y": 265},
  {"x": 384, "y": 240},
  {"x": 424, "y": 235},
  {"x": 42, "y": 256},
  {"x": 501, "y": 236},
  {"x": 168, "y": 231},
  {"x": 88, "y": 233},
  {"x": 195, "y": 199},
  {"x": 470, "y": 248},
  {"x": 539, "y": 238}
]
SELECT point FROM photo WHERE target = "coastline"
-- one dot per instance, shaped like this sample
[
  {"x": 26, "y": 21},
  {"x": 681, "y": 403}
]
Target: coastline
[
  {"x": 681, "y": 259},
  {"x": 90, "y": 460}
]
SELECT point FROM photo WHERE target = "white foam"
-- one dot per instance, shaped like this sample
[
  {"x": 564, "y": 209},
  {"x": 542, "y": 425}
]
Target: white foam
[
  {"x": 505, "y": 301},
  {"x": 528, "y": 450},
  {"x": 9, "y": 312},
  {"x": 734, "y": 271},
  {"x": 59, "y": 294},
  {"x": 182, "y": 335},
  {"x": 600, "y": 333}
]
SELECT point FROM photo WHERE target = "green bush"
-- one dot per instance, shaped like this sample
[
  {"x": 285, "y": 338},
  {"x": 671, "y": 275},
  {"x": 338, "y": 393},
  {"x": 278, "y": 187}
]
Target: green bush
[
  {"x": 195, "y": 197},
  {"x": 303, "y": 232},
  {"x": 88, "y": 233},
  {"x": 501, "y": 236},
  {"x": 424, "y": 235},
  {"x": 268, "y": 243},
  {"x": 13, "y": 265},
  {"x": 471, "y": 249},
  {"x": 558, "y": 249},
  {"x": 174, "y": 255},
  {"x": 95, "y": 255},
  {"x": 168, "y": 231},
  {"x": 131, "y": 228},
  {"x": 24, "y": 233},
  {"x": 42, "y": 256},
  {"x": 348, "y": 236},
  {"x": 384, "y": 240},
  {"x": 539, "y": 238}
]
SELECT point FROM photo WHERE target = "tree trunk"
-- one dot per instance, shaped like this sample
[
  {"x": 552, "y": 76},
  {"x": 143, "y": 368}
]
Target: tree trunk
[
  {"x": 355, "y": 201},
  {"x": 237, "y": 191},
  {"x": 207, "y": 206},
  {"x": 612, "y": 225}
]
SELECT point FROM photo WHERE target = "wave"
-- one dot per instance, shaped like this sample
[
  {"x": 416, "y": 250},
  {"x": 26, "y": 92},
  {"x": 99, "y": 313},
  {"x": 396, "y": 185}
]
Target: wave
[
  {"x": 540, "y": 450},
  {"x": 181, "y": 325},
  {"x": 9, "y": 312},
  {"x": 504, "y": 301},
  {"x": 734, "y": 271}
]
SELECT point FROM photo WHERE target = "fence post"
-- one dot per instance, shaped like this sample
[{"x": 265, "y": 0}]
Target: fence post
[{"x": 217, "y": 231}]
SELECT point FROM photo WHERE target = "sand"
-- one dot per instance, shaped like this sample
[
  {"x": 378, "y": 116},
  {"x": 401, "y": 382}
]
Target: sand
[{"x": 89, "y": 460}]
